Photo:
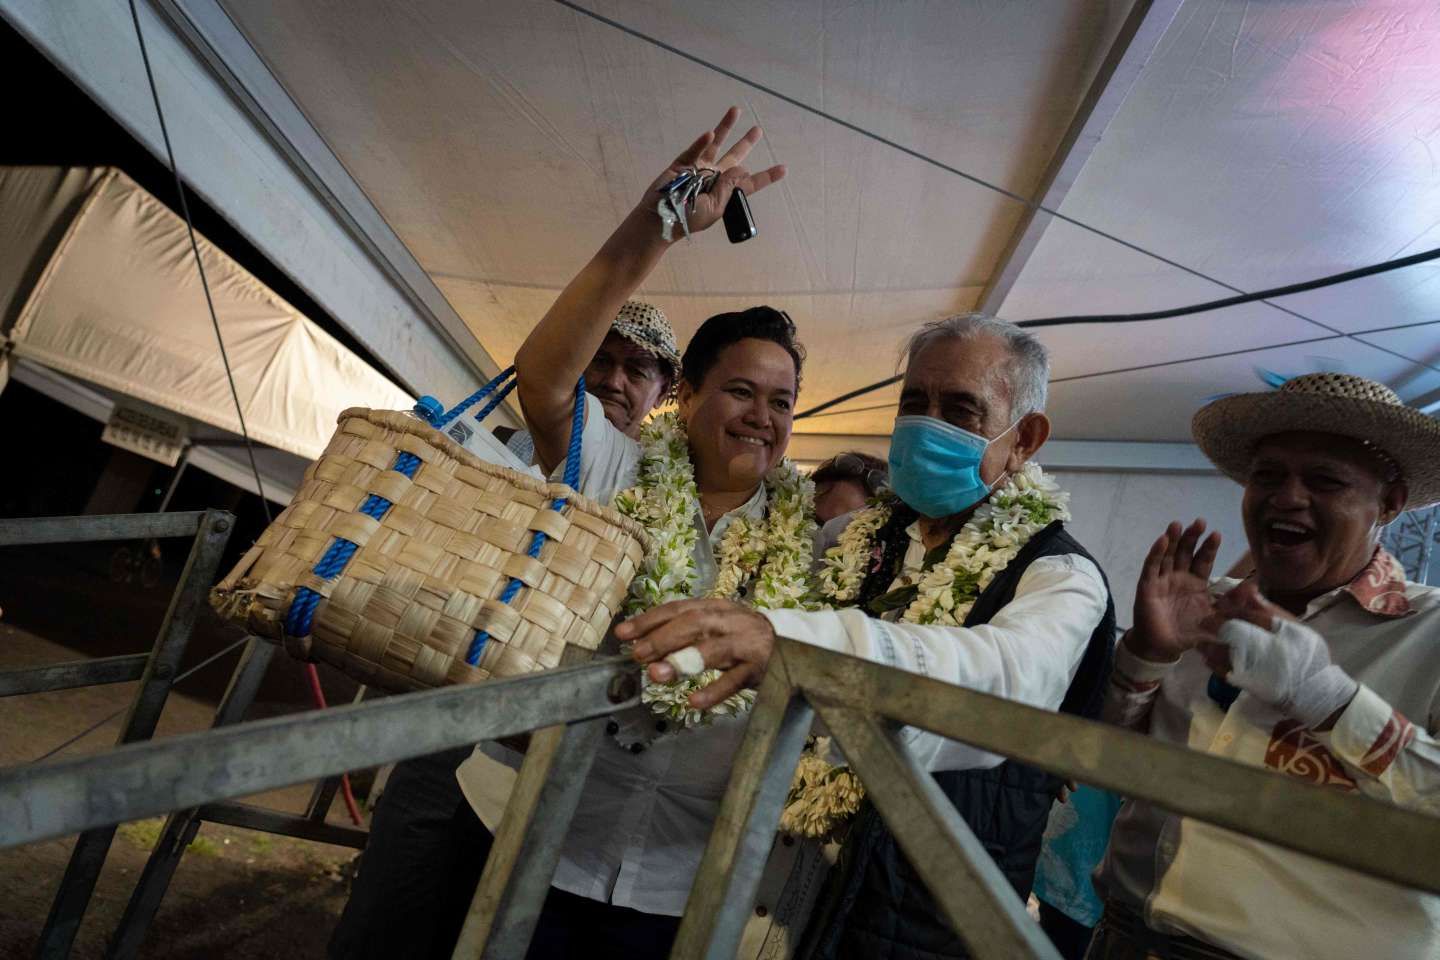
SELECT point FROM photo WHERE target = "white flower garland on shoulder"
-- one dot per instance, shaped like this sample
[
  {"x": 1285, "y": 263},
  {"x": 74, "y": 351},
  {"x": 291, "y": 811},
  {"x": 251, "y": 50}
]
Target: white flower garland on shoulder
[
  {"x": 823, "y": 797},
  {"x": 1028, "y": 502},
  {"x": 766, "y": 564}
]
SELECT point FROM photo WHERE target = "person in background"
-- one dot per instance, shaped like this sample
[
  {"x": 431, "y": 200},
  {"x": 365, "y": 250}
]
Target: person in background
[
  {"x": 1075, "y": 838},
  {"x": 846, "y": 482},
  {"x": 634, "y": 371},
  {"x": 1324, "y": 665}
]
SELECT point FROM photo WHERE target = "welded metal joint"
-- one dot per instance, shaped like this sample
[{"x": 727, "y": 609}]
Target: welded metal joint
[{"x": 624, "y": 685}]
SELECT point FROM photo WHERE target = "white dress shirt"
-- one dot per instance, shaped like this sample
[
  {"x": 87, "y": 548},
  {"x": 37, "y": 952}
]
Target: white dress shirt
[
  {"x": 1028, "y": 652},
  {"x": 1250, "y": 897},
  {"x": 644, "y": 819}
]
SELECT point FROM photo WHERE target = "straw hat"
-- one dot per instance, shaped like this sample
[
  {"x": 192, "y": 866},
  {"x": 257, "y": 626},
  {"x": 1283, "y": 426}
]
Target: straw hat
[
  {"x": 646, "y": 326},
  {"x": 1228, "y": 429}
]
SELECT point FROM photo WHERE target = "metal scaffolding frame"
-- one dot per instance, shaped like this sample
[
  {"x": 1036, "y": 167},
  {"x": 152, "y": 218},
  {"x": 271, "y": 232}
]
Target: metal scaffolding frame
[
  {"x": 1411, "y": 540},
  {"x": 156, "y": 670},
  {"x": 859, "y": 701}
]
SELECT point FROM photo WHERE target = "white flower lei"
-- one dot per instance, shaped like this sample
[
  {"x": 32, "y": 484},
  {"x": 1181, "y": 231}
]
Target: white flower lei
[
  {"x": 1025, "y": 504},
  {"x": 822, "y": 797},
  {"x": 771, "y": 558},
  {"x": 844, "y": 565}
]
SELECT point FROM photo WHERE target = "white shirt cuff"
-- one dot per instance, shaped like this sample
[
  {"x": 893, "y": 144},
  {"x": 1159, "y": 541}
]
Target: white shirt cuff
[{"x": 1139, "y": 669}]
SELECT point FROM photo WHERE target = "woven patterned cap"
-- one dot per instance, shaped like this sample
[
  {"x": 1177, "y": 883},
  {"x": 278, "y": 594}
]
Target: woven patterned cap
[
  {"x": 1228, "y": 429},
  {"x": 646, "y": 326}
]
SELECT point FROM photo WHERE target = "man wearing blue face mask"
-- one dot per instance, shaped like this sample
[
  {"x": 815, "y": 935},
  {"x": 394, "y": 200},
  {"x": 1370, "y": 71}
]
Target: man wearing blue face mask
[{"x": 966, "y": 575}]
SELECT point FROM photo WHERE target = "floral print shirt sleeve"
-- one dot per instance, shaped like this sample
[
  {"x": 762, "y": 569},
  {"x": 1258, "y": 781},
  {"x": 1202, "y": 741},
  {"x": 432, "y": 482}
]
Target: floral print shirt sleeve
[{"x": 1387, "y": 755}]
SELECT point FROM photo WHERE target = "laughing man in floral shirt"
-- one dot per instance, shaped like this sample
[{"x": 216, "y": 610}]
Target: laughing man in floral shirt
[{"x": 1325, "y": 666}]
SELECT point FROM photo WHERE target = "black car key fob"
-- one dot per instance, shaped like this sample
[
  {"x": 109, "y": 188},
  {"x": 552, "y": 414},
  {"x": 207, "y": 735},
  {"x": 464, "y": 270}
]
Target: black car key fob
[{"x": 739, "y": 225}]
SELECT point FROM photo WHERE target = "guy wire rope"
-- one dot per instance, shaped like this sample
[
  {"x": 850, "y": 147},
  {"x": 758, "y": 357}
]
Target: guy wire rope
[{"x": 312, "y": 675}]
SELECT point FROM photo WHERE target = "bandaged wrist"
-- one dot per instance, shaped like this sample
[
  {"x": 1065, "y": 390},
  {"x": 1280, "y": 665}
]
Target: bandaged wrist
[
  {"x": 1288, "y": 668},
  {"x": 1322, "y": 695}
]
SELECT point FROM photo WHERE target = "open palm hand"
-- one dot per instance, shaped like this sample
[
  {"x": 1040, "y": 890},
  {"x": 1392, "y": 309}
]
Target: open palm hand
[
  {"x": 705, "y": 153},
  {"x": 1173, "y": 598}
]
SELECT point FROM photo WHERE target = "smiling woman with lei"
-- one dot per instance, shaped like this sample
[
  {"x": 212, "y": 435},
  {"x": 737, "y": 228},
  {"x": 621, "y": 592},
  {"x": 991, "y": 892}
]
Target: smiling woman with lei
[
  {"x": 765, "y": 564},
  {"x": 728, "y": 517}
]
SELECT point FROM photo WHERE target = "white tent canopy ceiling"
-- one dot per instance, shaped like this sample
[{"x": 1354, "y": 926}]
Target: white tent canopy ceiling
[
  {"x": 1260, "y": 145},
  {"x": 99, "y": 283}
]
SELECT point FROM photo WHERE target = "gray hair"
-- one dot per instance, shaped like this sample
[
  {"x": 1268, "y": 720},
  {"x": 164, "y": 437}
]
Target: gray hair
[{"x": 1029, "y": 372}]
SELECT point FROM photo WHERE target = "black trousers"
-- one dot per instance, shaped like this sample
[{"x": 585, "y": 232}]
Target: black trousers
[
  {"x": 1070, "y": 937},
  {"x": 418, "y": 873}
]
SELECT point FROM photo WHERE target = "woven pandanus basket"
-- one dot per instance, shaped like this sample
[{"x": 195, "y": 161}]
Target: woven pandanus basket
[{"x": 440, "y": 571}]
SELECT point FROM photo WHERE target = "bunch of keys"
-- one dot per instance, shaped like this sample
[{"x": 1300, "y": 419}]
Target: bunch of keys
[{"x": 677, "y": 199}]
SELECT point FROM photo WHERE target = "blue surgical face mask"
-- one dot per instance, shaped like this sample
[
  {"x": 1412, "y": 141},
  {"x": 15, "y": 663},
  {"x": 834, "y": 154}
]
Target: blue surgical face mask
[{"x": 935, "y": 466}]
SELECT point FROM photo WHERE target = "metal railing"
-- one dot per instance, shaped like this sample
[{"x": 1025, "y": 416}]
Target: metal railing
[
  {"x": 858, "y": 701},
  {"x": 39, "y": 801},
  {"x": 56, "y": 798},
  {"x": 157, "y": 671},
  {"x": 855, "y": 698}
]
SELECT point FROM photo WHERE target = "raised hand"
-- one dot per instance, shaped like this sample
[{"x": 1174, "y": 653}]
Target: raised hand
[
  {"x": 1172, "y": 598},
  {"x": 705, "y": 153},
  {"x": 566, "y": 339}
]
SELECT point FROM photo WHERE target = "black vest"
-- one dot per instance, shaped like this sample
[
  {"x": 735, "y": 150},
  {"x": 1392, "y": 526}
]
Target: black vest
[{"x": 875, "y": 907}]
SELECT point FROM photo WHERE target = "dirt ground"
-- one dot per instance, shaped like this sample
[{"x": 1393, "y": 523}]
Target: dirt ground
[{"x": 237, "y": 893}]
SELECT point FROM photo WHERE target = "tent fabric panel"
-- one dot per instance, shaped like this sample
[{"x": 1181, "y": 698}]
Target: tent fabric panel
[
  {"x": 37, "y": 205},
  {"x": 568, "y": 118},
  {"x": 227, "y": 155},
  {"x": 121, "y": 305},
  {"x": 347, "y": 382}
]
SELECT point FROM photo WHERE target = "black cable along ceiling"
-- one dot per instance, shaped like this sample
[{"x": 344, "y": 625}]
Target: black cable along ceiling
[{"x": 1241, "y": 296}]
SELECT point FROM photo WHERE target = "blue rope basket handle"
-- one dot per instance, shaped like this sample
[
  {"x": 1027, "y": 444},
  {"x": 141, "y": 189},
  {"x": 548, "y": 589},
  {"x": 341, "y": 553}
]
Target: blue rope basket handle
[{"x": 301, "y": 616}]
